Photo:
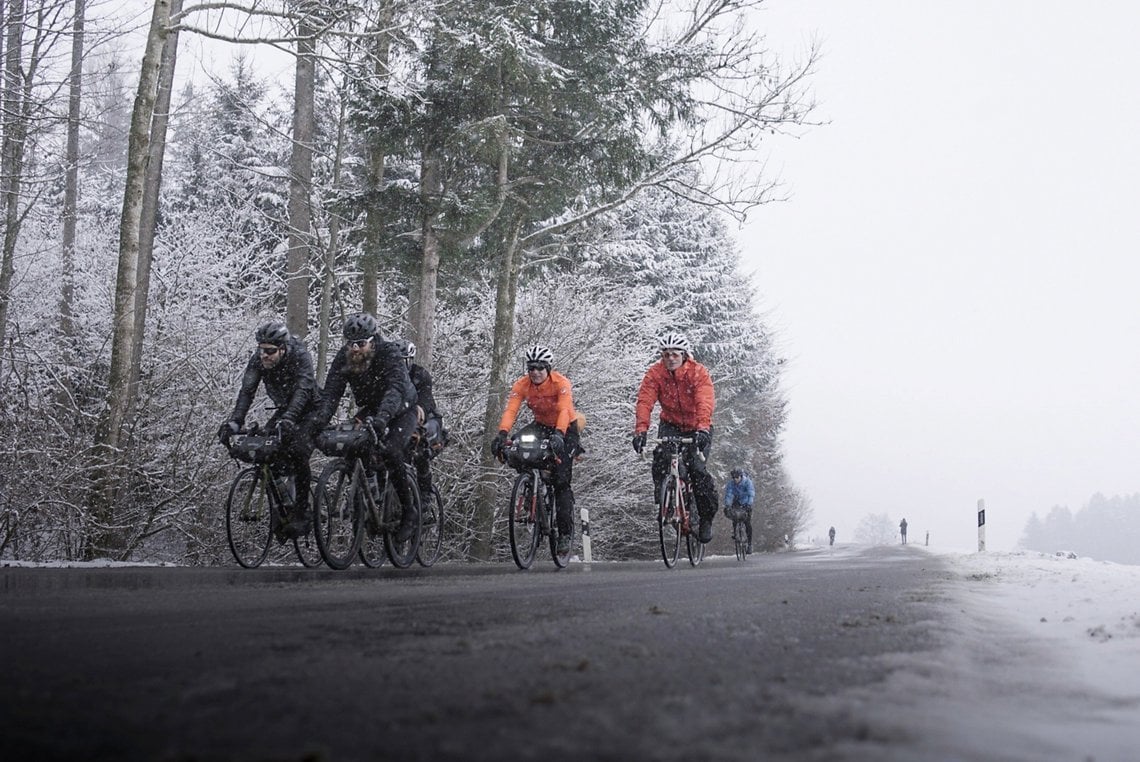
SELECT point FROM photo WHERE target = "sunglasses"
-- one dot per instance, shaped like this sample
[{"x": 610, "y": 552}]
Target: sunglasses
[
  {"x": 671, "y": 353},
  {"x": 529, "y": 368},
  {"x": 359, "y": 343},
  {"x": 269, "y": 351}
]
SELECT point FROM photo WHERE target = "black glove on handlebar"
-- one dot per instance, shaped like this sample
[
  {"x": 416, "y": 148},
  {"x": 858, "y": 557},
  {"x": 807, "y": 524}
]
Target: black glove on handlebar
[
  {"x": 639, "y": 442},
  {"x": 497, "y": 443},
  {"x": 227, "y": 430},
  {"x": 557, "y": 444},
  {"x": 286, "y": 427},
  {"x": 703, "y": 440}
]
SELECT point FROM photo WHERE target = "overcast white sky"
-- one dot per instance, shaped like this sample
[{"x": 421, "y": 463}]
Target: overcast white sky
[{"x": 955, "y": 276}]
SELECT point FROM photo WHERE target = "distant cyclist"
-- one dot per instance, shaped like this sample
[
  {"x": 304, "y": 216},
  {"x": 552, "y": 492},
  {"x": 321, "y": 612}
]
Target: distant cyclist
[
  {"x": 831, "y": 536},
  {"x": 738, "y": 497},
  {"x": 684, "y": 389},
  {"x": 549, "y": 396},
  {"x": 383, "y": 391},
  {"x": 282, "y": 363}
]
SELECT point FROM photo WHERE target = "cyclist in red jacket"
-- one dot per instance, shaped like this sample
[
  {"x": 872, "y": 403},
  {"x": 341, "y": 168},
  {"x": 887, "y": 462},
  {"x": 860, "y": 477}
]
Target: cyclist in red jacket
[{"x": 684, "y": 389}]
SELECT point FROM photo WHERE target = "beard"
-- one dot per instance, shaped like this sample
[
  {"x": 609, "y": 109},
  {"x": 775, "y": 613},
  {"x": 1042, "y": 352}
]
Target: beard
[{"x": 357, "y": 364}]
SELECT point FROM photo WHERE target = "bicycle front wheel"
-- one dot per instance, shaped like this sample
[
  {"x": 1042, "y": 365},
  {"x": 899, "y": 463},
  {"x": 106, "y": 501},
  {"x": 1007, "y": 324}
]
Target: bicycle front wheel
[
  {"x": 741, "y": 536},
  {"x": 431, "y": 533},
  {"x": 338, "y": 519},
  {"x": 308, "y": 552},
  {"x": 248, "y": 527},
  {"x": 669, "y": 522},
  {"x": 524, "y": 521}
]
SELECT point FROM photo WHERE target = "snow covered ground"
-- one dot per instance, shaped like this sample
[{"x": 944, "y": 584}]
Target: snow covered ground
[{"x": 1042, "y": 663}]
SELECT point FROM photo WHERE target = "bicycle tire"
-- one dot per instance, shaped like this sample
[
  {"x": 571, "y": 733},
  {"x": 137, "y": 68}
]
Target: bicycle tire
[
  {"x": 305, "y": 546},
  {"x": 669, "y": 523},
  {"x": 431, "y": 528},
  {"x": 403, "y": 554},
  {"x": 695, "y": 548},
  {"x": 693, "y": 545},
  {"x": 741, "y": 537},
  {"x": 561, "y": 561},
  {"x": 337, "y": 520},
  {"x": 249, "y": 528},
  {"x": 523, "y": 521}
]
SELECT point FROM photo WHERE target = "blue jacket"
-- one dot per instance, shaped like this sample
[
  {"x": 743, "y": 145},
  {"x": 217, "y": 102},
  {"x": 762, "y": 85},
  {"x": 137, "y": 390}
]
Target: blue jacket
[{"x": 743, "y": 493}]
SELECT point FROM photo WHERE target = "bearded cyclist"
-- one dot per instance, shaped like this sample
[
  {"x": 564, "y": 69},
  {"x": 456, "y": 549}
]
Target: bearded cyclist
[
  {"x": 684, "y": 389},
  {"x": 383, "y": 391}
]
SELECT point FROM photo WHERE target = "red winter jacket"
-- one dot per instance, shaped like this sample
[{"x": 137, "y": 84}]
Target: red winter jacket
[{"x": 686, "y": 396}]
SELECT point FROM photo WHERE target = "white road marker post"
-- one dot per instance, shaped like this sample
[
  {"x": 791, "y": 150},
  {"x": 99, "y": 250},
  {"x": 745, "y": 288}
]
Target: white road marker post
[
  {"x": 981, "y": 525},
  {"x": 587, "y": 556}
]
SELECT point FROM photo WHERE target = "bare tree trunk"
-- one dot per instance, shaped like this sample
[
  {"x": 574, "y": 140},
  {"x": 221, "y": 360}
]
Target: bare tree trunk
[
  {"x": 11, "y": 153},
  {"x": 328, "y": 279},
  {"x": 300, "y": 185},
  {"x": 149, "y": 216},
  {"x": 424, "y": 300},
  {"x": 106, "y": 537},
  {"x": 71, "y": 181},
  {"x": 506, "y": 295},
  {"x": 374, "y": 216}
]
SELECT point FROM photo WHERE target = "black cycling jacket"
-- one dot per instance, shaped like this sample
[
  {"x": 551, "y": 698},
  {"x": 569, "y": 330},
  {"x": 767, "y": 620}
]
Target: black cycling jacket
[
  {"x": 291, "y": 384},
  {"x": 421, "y": 379},
  {"x": 382, "y": 391}
]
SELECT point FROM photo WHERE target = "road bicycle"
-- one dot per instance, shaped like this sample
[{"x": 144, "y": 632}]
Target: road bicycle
[
  {"x": 357, "y": 511},
  {"x": 739, "y": 530},
  {"x": 258, "y": 503},
  {"x": 532, "y": 512},
  {"x": 675, "y": 505}
]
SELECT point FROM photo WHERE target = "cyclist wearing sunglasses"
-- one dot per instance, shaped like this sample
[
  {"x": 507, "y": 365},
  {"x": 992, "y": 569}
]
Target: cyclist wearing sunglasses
[
  {"x": 684, "y": 389},
  {"x": 383, "y": 391},
  {"x": 549, "y": 396},
  {"x": 282, "y": 363}
]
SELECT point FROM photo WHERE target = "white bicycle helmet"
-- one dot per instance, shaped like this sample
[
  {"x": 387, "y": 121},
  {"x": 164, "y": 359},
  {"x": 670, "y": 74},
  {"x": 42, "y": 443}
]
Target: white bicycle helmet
[
  {"x": 540, "y": 354},
  {"x": 675, "y": 341}
]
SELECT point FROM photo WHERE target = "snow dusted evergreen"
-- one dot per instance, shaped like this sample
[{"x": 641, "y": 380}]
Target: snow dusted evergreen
[{"x": 551, "y": 130}]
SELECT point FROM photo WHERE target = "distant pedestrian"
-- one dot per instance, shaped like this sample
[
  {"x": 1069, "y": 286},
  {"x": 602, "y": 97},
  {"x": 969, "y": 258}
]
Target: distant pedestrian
[
  {"x": 831, "y": 536},
  {"x": 902, "y": 530}
]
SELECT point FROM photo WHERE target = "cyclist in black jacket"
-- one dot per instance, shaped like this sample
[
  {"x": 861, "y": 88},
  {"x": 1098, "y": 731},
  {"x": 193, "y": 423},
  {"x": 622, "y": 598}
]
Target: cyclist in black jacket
[
  {"x": 430, "y": 429},
  {"x": 284, "y": 366},
  {"x": 383, "y": 391}
]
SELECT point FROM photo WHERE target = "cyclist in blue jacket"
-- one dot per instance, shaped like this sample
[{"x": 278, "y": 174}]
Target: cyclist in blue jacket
[{"x": 738, "y": 496}]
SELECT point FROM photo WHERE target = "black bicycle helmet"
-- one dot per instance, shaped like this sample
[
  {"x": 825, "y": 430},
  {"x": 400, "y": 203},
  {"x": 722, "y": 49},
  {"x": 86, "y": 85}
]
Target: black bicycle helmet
[
  {"x": 736, "y": 472},
  {"x": 359, "y": 326},
  {"x": 273, "y": 332}
]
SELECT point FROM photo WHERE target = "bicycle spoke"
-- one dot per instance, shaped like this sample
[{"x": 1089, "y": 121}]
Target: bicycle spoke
[{"x": 524, "y": 529}]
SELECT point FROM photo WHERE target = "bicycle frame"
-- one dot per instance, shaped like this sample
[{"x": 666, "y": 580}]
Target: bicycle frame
[
  {"x": 533, "y": 506},
  {"x": 674, "y": 506}
]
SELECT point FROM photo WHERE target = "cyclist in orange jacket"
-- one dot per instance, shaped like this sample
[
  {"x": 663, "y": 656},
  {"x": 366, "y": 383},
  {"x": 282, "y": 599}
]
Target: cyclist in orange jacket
[
  {"x": 548, "y": 394},
  {"x": 684, "y": 389}
]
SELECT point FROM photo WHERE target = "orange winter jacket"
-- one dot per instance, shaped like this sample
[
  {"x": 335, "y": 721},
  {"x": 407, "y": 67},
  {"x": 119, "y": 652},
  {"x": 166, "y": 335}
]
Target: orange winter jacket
[
  {"x": 686, "y": 396},
  {"x": 552, "y": 402}
]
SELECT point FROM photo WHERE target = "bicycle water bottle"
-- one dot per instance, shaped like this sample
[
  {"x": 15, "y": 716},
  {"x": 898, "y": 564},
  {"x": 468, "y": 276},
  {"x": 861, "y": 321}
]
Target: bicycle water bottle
[{"x": 284, "y": 489}]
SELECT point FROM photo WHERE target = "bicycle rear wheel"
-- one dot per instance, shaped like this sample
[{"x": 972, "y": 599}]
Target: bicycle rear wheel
[
  {"x": 669, "y": 522},
  {"x": 694, "y": 547},
  {"x": 308, "y": 552},
  {"x": 431, "y": 533},
  {"x": 338, "y": 519},
  {"x": 524, "y": 521},
  {"x": 403, "y": 554},
  {"x": 248, "y": 526}
]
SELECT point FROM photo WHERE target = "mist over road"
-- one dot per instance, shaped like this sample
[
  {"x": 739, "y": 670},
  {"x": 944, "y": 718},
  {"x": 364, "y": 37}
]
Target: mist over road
[{"x": 728, "y": 661}]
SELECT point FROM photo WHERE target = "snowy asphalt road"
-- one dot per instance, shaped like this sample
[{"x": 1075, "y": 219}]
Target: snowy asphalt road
[{"x": 727, "y": 661}]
